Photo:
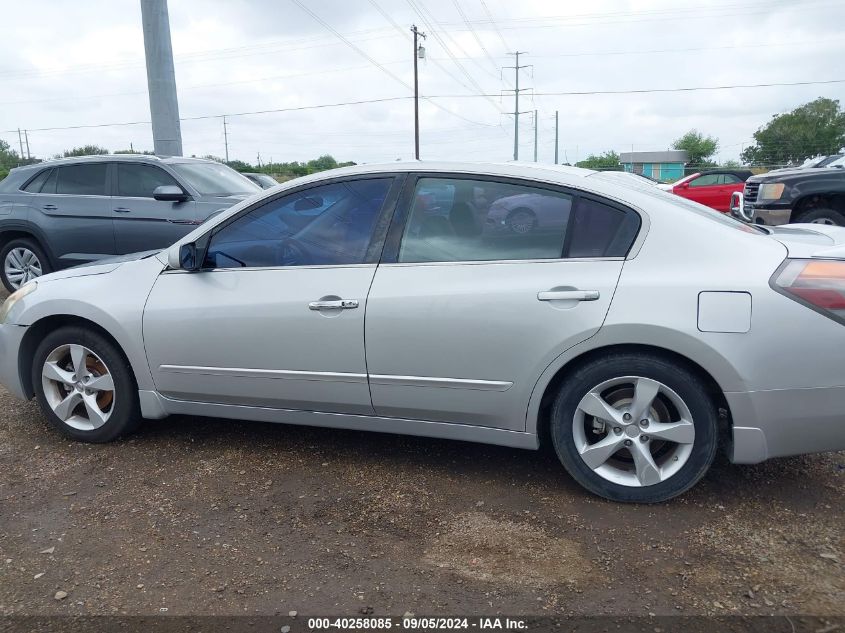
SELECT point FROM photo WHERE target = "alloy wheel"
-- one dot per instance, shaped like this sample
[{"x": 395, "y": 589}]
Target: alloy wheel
[
  {"x": 78, "y": 387},
  {"x": 633, "y": 431},
  {"x": 827, "y": 221},
  {"x": 21, "y": 266}
]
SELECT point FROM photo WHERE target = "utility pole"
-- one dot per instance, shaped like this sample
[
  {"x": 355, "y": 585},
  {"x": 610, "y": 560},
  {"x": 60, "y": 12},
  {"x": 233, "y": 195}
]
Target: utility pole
[
  {"x": 226, "y": 138},
  {"x": 516, "y": 90},
  {"x": 419, "y": 53},
  {"x": 20, "y": 142},
  {"x": 161, "y": 78},
  {"x": 535, "y": 136},
  {"x": 26, "y": 139},
  {"x": 556, "y": 136}
]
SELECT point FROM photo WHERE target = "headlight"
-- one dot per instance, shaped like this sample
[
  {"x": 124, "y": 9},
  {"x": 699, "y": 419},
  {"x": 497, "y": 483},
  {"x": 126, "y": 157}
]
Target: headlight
[
  {"x": 16, "y": 296},
  {"x": 771, "y": 191}
]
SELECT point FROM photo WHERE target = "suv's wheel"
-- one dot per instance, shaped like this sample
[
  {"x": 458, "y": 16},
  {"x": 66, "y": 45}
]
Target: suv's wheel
[
  {"x": 23, "y": 260},
  {"x": 821, "y": 215},
  {"x": 634, "y": 428},
  {"x": 84, "y": 385},
  {"x": 521, "y": 221}
]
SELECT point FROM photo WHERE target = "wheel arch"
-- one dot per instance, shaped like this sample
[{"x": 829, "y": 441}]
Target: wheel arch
[
  {"x": 539, "y": 414},
  {"x": 16, "y": 230},
  {"x": 37, "y": 331},
  {"x": 811, "y": 201}
]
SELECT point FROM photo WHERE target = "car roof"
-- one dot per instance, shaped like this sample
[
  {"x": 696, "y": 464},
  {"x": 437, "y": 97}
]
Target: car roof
[
  {"x": 99, "y": 158},
  {"x": 514, "y": 169}
]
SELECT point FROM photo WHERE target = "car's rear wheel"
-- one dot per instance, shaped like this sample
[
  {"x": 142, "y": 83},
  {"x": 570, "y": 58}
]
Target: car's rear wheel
[
  {"x": 821, "y": 215},
  {"x": 635, "y": 428},
  {"x": 84, "y": 385},
  {"x": 23, "y": 260}
]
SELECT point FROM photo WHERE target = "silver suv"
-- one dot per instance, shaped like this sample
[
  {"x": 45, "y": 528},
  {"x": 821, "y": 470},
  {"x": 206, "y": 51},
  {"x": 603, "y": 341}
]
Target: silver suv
[{"x": 62, "y": 213}]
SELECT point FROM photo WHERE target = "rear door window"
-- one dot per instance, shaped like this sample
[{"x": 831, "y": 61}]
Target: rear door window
[
  {"x": 455, "y": 219},
  {"x": 82, "y": 180}
]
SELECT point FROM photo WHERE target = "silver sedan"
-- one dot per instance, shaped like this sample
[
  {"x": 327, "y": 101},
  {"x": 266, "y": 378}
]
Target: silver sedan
[{"x": 638, "y": 332}]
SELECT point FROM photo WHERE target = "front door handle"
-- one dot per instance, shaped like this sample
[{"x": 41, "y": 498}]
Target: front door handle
[
  {"x": 342, "y": 304},
  {"x": 121, "y": 210},
  {"x": 49, "y": 207},
  {"x": 568, "y": 295}
]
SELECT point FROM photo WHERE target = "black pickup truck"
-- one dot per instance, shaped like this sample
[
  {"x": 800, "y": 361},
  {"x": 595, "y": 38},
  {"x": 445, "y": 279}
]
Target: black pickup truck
[{"x": 793, "y": 195}]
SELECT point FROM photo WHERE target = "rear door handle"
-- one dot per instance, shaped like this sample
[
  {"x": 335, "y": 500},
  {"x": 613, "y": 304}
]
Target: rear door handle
[
  {"x": 49, "y": 207},
  {"x": 121, "y": 210},
  {"x": 343, "y": 304},
  {"x": 568, "y": 295}
]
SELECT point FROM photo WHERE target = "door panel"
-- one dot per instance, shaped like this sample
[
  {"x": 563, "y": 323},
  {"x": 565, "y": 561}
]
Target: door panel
[
  {"x": 140, "y": 221},
  {"x": 466, "y": 342},
  {"x": 276, "y": 319},
  {"x": 143, "y": 224},
  {"x": 248, "y": 337},
  {"x": 75, "y": 213}
]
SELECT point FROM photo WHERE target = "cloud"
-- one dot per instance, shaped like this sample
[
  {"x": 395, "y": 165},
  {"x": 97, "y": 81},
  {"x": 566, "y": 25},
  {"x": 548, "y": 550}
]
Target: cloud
[{"x": 72, "y": 63}]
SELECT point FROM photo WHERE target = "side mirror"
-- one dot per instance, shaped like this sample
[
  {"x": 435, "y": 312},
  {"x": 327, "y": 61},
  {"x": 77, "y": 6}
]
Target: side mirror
[
  {"x": 169, "y": 193},
  {"x": 685, "y": 185},
  {"x": 183, "y": 257}
]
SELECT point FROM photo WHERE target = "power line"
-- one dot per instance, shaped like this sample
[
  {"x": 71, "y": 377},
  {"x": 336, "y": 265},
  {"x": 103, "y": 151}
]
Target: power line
[
  {"x": 495, "y": 26},
  {"x": 364, "y": 54},
  {"x": 434, "y": 33},
  {"x": 401, "y": 30},
  {"x": 443, "y": 96},
  {"x": 474, "y": 33}
]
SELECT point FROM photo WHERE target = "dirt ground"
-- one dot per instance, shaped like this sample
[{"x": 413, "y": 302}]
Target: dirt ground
[{"x": 200, "y": 516}]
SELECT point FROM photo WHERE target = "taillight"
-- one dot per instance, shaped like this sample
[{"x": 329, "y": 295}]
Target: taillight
[{"x": 817, "y": 283}]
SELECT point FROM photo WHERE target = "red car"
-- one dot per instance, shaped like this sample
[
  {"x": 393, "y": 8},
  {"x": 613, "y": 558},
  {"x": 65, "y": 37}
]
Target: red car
[{"x": 711, "y": 188}]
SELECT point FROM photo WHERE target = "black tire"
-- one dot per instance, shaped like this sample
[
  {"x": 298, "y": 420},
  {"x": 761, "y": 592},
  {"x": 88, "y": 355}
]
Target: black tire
[
  {"x": 823, "y": 215},
  {"x": 521, "y": 210},
  {"x": 125, "y": 414},
  {"x": 681, "y": 381},
  {"x": 22, "y": 242}
]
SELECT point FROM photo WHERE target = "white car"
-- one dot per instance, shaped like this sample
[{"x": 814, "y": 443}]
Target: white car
[{"x": 639, "y": 332}]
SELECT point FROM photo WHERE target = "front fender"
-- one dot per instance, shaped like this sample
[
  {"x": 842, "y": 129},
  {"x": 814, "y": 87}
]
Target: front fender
[{"x": 113, "y": 300}]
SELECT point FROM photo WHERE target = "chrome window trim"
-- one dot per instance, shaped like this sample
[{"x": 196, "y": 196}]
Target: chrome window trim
[
  {"x": 476, "y": 262},
  {"x": 266, "y": 268}
]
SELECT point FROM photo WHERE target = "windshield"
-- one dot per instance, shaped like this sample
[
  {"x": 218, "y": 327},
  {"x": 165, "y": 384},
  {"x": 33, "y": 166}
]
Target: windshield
[
  {"x": 839, "y": 162},
  {"x": 214, "y": 179}
]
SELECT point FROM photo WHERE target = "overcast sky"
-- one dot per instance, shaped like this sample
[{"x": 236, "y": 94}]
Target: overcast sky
[{"x": 81, "y": 62}]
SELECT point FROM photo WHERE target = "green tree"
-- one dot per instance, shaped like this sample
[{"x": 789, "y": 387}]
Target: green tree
[
  {"x": 607, "y": 160},
  {"x": 85, "y": 150},
  {"x": 815, "y": 128},
  {"x": 700, "y": 148},
  {"x": 731, "y": 164},
  {"x": 8, "y": 158}
]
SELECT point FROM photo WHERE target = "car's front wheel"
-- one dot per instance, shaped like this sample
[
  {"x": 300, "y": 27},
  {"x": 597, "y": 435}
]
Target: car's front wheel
[
  {"x": 84, "y": 385},
  {"x": 635, "y": 428}
]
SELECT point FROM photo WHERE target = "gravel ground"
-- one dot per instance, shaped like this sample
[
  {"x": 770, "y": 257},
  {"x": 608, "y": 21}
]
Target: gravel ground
[
  {"x": 220, "y": 517},
  {"x": 200, "y": 516}
]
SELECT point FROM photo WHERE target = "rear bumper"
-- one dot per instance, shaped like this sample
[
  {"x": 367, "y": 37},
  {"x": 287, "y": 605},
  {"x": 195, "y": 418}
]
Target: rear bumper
[
  {"x": 10, "y": 343},
  {"x": 786, "y": 422}
]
